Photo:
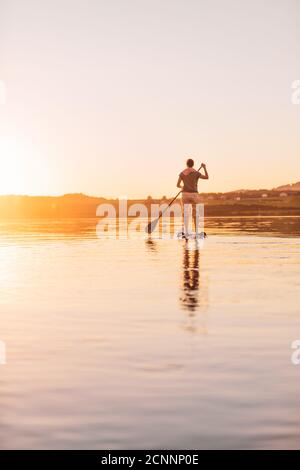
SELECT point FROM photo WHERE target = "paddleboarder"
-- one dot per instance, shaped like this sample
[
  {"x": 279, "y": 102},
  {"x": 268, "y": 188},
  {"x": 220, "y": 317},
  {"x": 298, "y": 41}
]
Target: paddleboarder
[{"x": 188, "y": 183}]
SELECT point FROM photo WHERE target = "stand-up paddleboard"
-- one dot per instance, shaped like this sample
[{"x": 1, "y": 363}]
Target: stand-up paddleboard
[{"x": 191, "y": 236}]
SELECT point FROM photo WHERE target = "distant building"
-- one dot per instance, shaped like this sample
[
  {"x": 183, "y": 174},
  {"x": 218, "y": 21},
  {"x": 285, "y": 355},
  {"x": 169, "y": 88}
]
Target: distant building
[
  {"x": 283, "y": 194},
  {"x": 238, "y": 198},
  {"x": 264, "y": 195}
]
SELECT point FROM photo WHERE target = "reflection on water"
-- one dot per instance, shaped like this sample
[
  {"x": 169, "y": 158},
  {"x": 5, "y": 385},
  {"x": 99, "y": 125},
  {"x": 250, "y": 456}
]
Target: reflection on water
[
  {"x": 194, "y": 288},
  {"x": 190, "y": 283},
  {"x": 264, "y": 225},
  {"x": 151, "y": 245},
  {"x": 40, "y": 229},
  {"x": 149, "y": 343}
]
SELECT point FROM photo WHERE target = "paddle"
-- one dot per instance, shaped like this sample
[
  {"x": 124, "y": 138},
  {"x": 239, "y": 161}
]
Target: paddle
[{"x": 152, "y": 225}]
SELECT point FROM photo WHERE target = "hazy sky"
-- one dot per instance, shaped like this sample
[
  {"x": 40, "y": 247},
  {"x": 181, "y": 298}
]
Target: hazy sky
[{"x": 109, "y": 97}]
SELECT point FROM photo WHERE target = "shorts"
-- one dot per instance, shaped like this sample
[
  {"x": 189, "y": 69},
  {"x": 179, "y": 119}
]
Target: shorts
[{"x": 190, "y": 198}]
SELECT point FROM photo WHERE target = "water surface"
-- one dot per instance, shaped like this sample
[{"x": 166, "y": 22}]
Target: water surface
[{"x": 149, "y": 343}]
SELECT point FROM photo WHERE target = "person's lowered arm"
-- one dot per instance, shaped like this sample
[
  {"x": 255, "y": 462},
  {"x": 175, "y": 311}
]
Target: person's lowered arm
[{"x": 179, "y": 182}]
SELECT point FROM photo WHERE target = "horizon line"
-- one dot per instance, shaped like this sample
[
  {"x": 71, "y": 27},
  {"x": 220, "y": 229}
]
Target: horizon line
[{"x": 279, "y": 188}]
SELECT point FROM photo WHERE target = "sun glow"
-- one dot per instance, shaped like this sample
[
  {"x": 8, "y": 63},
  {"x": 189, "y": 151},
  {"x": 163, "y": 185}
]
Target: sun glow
[
  {"x": 22, "y": 170},
  {"x": 12, "y": 160}
]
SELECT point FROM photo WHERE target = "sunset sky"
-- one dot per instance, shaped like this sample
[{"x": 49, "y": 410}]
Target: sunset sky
[{"x": 110, "y": 97}]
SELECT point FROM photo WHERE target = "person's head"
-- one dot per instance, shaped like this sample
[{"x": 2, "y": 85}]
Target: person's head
[{"x": 190, "y": 163}]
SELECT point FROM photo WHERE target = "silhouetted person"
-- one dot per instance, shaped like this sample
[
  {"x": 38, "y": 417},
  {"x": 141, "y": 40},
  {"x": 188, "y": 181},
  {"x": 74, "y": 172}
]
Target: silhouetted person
[{"x": 188, "y": 182}]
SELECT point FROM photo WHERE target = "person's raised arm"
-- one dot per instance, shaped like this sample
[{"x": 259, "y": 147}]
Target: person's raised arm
[
  {"x": 179, "y": 182},
  {"x": 205, "y": 176}
]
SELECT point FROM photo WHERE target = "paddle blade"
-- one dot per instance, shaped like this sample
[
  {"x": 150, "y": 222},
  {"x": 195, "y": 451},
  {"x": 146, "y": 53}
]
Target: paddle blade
[{"x": 151, "y": 226}]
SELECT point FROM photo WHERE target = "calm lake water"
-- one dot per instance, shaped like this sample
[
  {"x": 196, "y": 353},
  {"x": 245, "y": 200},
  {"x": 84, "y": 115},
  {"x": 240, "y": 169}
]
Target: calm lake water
[{"x": 150, "y": 343}]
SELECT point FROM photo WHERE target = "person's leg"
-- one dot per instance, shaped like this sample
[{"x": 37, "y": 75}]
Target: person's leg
[
  {"x": 186, "y": 213},
  {"x": 197, "y": 213},
  {"x": 195, "y": 218},
  {"x": 186, "y": 218},
  {"x": 182, "y": 215},
  {"x": 199, "y": 216}
]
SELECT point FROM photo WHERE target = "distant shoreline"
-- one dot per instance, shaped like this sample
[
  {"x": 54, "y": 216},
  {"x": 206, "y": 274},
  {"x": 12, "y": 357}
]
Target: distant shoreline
[{"x": 240, "y": 203}]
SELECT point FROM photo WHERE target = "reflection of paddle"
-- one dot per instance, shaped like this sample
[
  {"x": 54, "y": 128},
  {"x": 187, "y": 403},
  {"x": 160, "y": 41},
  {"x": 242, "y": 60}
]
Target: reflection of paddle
[{"x": 152, "y": 225}]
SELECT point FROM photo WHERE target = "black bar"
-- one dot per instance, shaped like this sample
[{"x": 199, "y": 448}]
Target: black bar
[{"x": 140, "y": 458}]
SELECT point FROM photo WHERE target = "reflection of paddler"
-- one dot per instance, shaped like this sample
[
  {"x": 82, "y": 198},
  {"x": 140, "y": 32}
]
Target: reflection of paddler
[
  {"x": 194, "y": 288},
  {"x": 190, "y": 282}
]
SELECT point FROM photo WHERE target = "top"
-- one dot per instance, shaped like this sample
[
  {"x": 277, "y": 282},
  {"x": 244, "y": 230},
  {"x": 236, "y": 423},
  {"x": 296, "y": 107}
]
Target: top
[{"x": 190, "y": 179}]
